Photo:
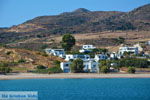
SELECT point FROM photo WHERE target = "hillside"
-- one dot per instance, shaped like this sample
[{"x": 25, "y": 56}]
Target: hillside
[
  {"x": 79, "y": 21},
  {"x": 85, "y": 21},
  {"x": 30, "y": 58}
]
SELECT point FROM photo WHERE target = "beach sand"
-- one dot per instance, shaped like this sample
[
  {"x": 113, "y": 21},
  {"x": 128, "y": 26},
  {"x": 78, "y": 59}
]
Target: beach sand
[{"x": 69, "y": 76}]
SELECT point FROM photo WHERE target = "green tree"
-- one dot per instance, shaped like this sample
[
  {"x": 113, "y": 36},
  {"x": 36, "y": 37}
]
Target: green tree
[
  {"x": 4, "y": 68},
  {"x": 104, "y": 66},
  {"x": 68, "y": 41},
  {"x": 105, "y": 63},
  {"x": 77, "y": 66},
  {"x": 104, "y": 69},
  {"x": 135, "y": 62},
  {"x": 131, "y": 70}
]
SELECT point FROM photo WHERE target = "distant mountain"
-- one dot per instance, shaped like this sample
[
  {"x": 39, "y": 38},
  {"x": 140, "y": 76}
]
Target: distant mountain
[
  {"x": 83, "y": 21},
  {"x": 81, "y": 10}
]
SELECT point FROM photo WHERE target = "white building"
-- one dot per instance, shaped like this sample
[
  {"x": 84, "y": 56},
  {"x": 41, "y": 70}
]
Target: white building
[
  {"x": 56, "y": 52},
  {"x": 86, "y": 48},
  {"x": 91, "y": 66},
  {"x": 113, "y": 55},
  {"x": 65, "y": 66},
  {"x": 76, "y": 56},
  {"x": 100, "y": 57},
  {"x": 133, "y": 50}
]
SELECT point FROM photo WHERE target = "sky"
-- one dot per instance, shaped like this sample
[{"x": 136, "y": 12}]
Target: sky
[{"x": 14, "y": 12}]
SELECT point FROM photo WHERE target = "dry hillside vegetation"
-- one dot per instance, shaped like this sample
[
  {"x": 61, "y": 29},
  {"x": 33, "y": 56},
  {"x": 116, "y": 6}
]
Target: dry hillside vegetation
[
  {"x": 101, "y": 40},
  {"x": 31, "y": 58}
]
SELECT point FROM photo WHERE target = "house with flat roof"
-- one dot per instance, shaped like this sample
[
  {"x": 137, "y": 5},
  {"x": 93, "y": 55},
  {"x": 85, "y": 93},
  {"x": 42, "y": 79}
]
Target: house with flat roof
[
  {"x": 89, "y": 66},
  {"x": 100, "y": 57},
  {"x": 65, "y": 66},
  {"x": 55, "y": 52},
  {"x": 86, "y": 48},
  {"x": 133, "y": 50},
  {"x": 76, "y": 56}
]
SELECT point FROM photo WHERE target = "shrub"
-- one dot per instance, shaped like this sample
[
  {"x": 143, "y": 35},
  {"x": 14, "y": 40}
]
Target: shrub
[
  {"x": 49, "y": 70},
  {"x": 4, "y": 68},
  {"x": 104, "y": 69},
  {"x": 131, "y": 70},
  {"x": 41, "y": 67},
  {"x": 105, "y": 63},
  {"x": 8, "y": 52},
  {"x": 120, "y": 40},
  {"x": 135, "y": 62},
  {"x": 55, "y": 70},
  {"x": 44, "y": 54},
  {"x": 43, "y": 71},
  {"x": 56, "y": 62},
  {"x": 44, "y": 46},
  {"x": 21, "y": 61},
  {"x": 4, "y": 64}
]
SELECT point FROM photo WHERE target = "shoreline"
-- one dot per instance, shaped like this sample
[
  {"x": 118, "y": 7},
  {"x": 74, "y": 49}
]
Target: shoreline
[{"x": 14, "y": 76}]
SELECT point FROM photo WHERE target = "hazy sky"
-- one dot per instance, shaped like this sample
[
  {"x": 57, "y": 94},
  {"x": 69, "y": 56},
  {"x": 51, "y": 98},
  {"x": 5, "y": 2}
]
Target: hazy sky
[{"x": 13, "y": 12}]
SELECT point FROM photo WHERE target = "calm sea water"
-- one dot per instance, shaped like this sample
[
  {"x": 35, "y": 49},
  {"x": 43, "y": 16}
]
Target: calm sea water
[{"x": 83, "y": 89}]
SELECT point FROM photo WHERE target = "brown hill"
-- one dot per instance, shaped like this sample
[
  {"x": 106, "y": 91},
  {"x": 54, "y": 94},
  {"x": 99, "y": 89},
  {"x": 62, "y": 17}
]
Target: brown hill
[
  {"x": 31, "y": 58},
  {"x": 83, "y": 20},
  {"x": 79, "y": 21}
]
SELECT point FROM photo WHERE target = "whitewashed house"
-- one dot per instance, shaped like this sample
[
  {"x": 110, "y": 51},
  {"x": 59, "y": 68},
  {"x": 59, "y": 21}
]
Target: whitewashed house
[
  {"x": 69, "y": 57},
  {"x": 76, "y": 56},
  {"x": 113, "y": 55},
  {"x": 65, "y": 66},
  {"x": 91, "y": 66},
  {"x": 56, "y": 52},
  {"x": 86, "y": 48},
  {"x": 100, "y": 57},
  {"x": 133, "y": 50}
]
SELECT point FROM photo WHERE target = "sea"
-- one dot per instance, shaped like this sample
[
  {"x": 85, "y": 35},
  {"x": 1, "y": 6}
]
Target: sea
[{"x": 82, "y": 89}]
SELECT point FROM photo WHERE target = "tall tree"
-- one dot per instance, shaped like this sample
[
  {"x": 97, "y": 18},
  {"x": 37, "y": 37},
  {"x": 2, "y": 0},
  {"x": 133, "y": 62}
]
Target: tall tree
[
  {"x": 68, "y": 41},
  {"x": 77, "y": 66}
]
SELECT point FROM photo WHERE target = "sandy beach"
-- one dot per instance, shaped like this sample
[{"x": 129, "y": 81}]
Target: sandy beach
[{"x": 69, "y": 75}]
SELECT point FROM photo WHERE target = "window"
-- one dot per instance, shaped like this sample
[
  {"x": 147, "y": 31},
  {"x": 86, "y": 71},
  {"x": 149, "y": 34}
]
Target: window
[
  {"x": 67, "y": 65},
  {"x": 94, "y": 65}
]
